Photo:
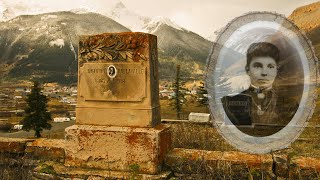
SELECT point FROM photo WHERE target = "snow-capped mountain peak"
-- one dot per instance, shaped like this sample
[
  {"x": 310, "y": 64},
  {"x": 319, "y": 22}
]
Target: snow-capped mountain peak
[
  {"x": 156, "y": 22},
  {"x": 119, "y": 5},
  {"x": 120, "y": 13},
  {"x": 120, "y": 9},
  {"x": 5, "y": 12}
]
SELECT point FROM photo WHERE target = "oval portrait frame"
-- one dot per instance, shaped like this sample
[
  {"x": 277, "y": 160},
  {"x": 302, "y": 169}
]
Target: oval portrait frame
[
  {"x": 261, "y": 25},
  {"x": 114, "y": 71}
]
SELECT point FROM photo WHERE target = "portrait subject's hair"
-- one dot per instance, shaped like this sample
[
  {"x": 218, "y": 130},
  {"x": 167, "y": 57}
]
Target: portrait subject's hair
[{"x": 262, "y": 49}]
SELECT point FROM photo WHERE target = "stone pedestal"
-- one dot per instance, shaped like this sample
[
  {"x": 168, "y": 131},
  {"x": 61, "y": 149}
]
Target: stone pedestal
[{"x": 117, "y": 148}]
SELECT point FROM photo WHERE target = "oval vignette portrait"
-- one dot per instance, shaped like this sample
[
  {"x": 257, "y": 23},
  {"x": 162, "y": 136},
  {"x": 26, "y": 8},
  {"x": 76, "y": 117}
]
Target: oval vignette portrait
[{"x": 261, "y": 80}]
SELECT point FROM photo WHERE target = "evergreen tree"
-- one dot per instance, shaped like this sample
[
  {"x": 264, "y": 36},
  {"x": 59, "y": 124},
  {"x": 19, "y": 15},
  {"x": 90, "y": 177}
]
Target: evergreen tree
[
  {"x": 202, "y": 95},
  {"x": 37, "y": 115},
  {"x": 179, "y": 98}
]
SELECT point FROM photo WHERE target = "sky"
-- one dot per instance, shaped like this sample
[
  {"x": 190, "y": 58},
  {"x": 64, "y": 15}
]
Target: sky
[{"x": 201, "y": 16}]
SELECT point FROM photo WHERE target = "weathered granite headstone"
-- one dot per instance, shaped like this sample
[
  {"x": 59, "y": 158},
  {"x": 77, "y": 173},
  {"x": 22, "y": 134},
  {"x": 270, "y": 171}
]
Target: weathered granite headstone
[{"x": 118, "y": 111}]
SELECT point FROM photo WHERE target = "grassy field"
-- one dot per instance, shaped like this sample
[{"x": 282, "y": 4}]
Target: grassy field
[
  {"x": 56, "y": 132},
  {"x": 206, "y": 137},
  {"x": 58, "y": 108}
]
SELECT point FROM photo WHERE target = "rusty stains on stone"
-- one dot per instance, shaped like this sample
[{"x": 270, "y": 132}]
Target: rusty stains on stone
[{"x": 133, "y": 138}]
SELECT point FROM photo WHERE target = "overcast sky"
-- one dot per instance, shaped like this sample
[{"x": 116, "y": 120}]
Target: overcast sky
[{"x": 200, "y": 16}]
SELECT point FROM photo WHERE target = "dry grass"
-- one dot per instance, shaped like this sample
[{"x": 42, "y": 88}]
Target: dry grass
[
  {"x": 198, "y": 136},
  {"x": 206, "y": 137},
  {"x": 13, "y": 167}
]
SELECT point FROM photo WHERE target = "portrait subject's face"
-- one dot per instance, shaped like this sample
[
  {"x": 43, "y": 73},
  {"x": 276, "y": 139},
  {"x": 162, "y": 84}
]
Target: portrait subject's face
[
  {"x": 111, "y": 72},
  {"x": 262, "y": 71}
]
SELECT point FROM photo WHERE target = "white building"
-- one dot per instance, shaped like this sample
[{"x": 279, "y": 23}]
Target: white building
[
  {"x": 18, "y": 126},
  {"x": 61, "y": 119}
]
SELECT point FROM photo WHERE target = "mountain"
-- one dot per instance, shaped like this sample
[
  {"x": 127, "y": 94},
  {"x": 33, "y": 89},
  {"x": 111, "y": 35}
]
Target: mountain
[
  {"x": 177, "y": 45},
  {"x": 45, "y": 46},
  {"x": 307, "y": 18}
]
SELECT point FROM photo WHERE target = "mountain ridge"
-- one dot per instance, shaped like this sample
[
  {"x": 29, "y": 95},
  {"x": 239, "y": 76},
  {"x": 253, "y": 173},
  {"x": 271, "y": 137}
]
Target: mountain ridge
[
  {"x": 45, "y": 45},
  {"x": 307, "y": 19}
]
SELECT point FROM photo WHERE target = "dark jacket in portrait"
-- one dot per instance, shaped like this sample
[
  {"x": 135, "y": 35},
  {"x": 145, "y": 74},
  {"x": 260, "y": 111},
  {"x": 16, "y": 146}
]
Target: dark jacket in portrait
[{"x": 247, "y": 108}]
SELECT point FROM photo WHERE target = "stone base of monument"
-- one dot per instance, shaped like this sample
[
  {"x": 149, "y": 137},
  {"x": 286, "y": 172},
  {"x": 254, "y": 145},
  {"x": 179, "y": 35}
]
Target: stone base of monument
[{"x": 117, "y": 148}]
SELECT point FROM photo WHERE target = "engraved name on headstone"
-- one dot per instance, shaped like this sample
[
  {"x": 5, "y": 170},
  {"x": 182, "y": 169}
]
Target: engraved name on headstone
[{"x": 112, "y": 81}]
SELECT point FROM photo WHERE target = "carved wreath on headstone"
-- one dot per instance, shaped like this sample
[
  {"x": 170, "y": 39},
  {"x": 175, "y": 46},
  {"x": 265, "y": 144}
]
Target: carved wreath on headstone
[{"x": 112, "y": 48}]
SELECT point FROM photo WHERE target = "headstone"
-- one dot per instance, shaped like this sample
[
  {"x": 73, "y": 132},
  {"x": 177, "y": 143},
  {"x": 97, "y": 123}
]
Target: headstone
[
  {"x": 199, "y": 117},
  {"x": 118, "y": 80},
  {"x": 118, "y": 111}
]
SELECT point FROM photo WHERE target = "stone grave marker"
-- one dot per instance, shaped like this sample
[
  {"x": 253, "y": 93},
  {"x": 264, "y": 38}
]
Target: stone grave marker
[
  {"x": 118, "y": 111},
  {"x": 118, "y": 80}
]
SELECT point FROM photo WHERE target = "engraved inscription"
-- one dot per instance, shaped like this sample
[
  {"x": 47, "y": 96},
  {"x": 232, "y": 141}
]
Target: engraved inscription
[{"x": 129, "y": 84}]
